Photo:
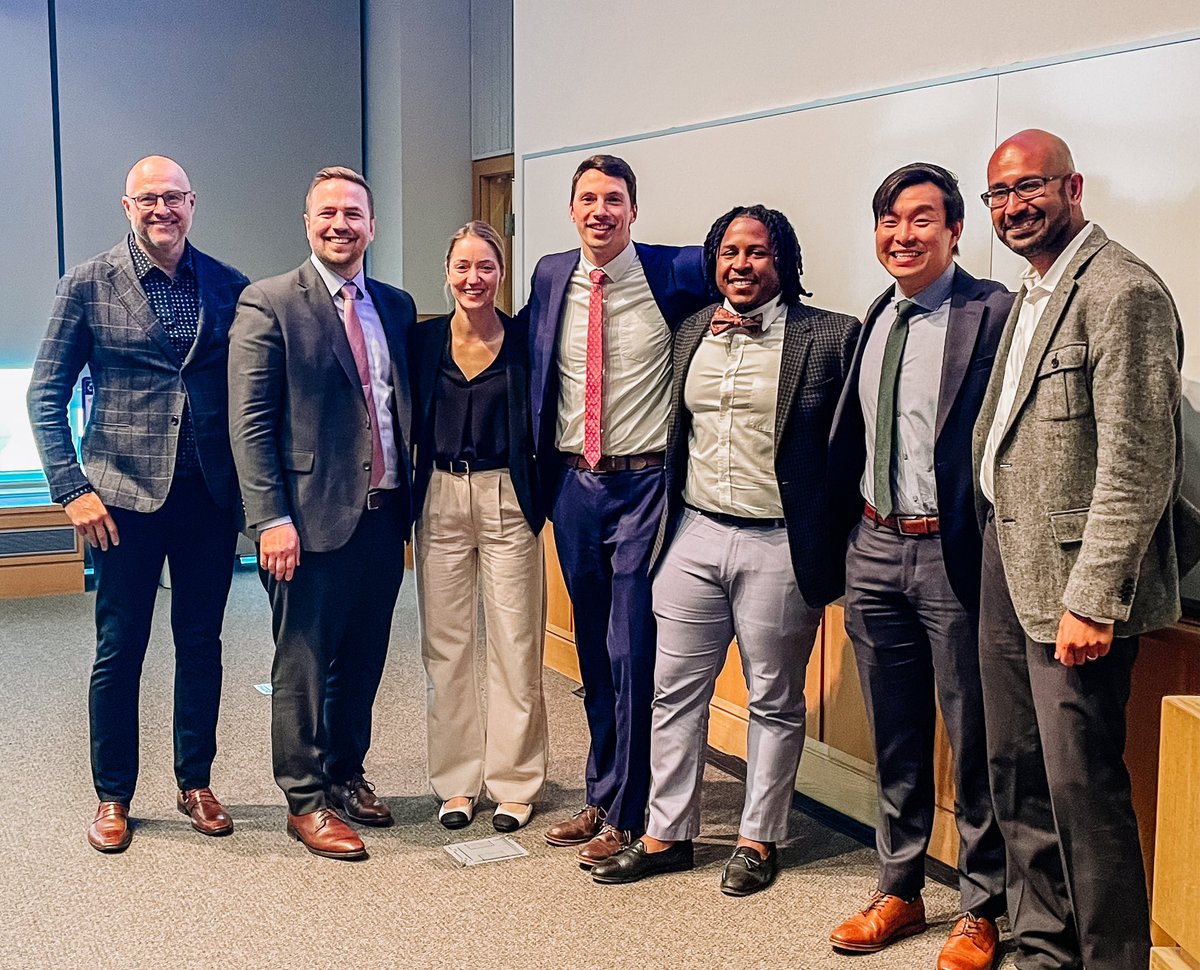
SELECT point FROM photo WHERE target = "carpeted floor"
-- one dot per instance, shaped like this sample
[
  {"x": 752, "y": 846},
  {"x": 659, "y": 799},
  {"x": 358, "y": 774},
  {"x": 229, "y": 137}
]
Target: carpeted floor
[{"x": 257, "y": 900}]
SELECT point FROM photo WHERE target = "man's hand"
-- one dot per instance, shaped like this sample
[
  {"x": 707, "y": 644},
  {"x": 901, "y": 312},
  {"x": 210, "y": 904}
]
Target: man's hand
[
  {"x": 279, "y": 551},
  {"x": 91, "y": 520},
  {"x": 1080, "y": 639}
]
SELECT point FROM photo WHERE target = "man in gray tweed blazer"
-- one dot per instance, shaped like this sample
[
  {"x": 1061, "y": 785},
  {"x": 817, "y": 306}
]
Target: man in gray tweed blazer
[
  {"x": 1079, "y": 453},
  {"x": 150, "y": 320}
]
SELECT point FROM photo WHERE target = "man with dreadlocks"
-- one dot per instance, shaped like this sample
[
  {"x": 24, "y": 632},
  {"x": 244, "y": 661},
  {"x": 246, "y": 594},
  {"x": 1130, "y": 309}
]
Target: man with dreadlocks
[
  {"x": 902, "y": 450},
  {"x": 745, "y": 545}
]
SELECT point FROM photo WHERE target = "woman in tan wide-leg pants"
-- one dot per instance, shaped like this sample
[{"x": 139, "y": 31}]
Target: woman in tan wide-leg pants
[{"x": 479, "y": 530}]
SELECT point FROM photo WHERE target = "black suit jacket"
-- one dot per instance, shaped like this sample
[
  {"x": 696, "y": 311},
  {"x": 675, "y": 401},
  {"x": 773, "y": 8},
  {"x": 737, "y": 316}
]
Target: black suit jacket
[
  {"x": 429, "y": 342},
  {"x": 978, "y": 309},
  {"x": 299, "y": 425},
  {"x": 817, "y": 348}
]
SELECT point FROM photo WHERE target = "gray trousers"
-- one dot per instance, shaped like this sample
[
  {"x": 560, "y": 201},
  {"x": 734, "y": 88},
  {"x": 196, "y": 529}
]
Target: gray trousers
[
  {"x": 1056, "y": 744},
  {"x": 913, "y": 639},
  {"x": 716, "y": 581}
]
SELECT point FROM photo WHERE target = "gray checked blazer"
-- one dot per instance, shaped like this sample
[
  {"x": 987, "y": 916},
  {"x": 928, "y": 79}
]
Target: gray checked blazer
[
  {"x": 1088, "y": 469},
  {"x": 102, "y": 319},
  {"x": 817, "y": 348}
]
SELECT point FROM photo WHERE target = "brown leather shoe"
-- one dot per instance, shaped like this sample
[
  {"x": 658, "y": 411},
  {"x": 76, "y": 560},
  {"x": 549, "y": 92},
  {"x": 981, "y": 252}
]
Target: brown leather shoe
[
  {"x": 110, "y": 830},
  {"x": 608, "y": 843},
  {"x": 355, "y": 798},
  {"x": 581, "y": 827},
  {"x": 885, "y": 920},
  {"x": 971, "y": 945},
  {"x": 325, "y": 834},
  {"x": 207, "y": 814}
]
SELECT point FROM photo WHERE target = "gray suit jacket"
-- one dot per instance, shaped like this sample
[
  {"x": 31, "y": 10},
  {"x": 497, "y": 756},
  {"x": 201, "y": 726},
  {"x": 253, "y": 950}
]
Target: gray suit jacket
[
  {"x": 297, "y": 416},
  {"x": 1088, "y": 470},
  {"x": 102, "y": 319}
]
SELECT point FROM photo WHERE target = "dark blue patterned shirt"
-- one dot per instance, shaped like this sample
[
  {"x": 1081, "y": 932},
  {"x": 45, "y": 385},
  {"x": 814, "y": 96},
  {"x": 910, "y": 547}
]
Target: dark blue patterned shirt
[{"x": 176, "y": 303}]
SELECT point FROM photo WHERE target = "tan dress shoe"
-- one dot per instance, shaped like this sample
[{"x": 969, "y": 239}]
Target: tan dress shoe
[
  {"x": 581, "y": 827},
  {"x": 207, "y": 814},
  {"x": 110, "y": 830},
  {"x": 325, "y": 834},
  {"x": 971, "y": 945},
  {"x": 885, "y": 920},
  {"x": 355, "y": 798},
  {"x": 608, "y": 843}
]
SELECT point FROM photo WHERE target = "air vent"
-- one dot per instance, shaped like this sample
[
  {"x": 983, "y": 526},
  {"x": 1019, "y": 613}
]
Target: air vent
[{"x": 37, "y": 542}]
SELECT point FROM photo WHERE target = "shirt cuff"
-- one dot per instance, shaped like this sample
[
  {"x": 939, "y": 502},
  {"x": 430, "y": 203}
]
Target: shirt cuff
[
  {"x": 271, "y": 523},
  {"x": 75, "y": 493}
]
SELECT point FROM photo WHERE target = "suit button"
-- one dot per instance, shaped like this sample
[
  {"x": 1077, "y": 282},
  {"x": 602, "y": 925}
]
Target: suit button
[
  {"x": 174, "y": 421},
  {"x": 366, "y": 466},
  {"x": 1054, "y": 361}
]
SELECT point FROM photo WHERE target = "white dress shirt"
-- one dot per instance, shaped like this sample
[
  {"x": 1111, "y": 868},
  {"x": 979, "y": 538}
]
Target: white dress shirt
[
  {"x": 636, "y": 395},
  {"x": 732, "y": 392},
  {"x": 1035, "y": 294}
]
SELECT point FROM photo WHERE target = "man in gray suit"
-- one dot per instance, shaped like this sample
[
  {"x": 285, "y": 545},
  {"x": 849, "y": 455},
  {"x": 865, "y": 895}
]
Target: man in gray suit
[
  {"x": 1079, "y": 453},
  {"x": 150, "y": 320},
  {"x": 320, "y": 416}
]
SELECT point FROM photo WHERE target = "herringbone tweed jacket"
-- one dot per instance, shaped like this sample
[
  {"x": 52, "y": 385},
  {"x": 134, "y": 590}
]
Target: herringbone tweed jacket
[{"x": 817, "y": 348}]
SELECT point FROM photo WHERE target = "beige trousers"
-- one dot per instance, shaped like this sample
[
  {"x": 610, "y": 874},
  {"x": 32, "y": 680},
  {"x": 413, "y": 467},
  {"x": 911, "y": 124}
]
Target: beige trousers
[{"x": 472, "y": 535}]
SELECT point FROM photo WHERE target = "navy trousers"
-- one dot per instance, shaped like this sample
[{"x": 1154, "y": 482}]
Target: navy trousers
[
  {"x": 604, "y": 527},
  {"x": 196, "y": 538}
]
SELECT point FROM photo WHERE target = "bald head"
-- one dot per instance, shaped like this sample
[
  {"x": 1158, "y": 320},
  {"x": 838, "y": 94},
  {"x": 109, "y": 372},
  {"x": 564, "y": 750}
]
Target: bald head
[
  {"x": 159, "y": 203},
  {"x": 1040, "y": 227},
  {"x": 155, "y": 167}
]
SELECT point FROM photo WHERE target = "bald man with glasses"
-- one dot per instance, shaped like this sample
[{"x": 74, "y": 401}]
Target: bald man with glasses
[{"x": 150, "y": 320}]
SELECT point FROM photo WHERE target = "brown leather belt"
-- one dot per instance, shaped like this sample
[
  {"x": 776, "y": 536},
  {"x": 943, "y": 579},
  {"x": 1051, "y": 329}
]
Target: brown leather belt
[
  {"x": 907, "y": 525},
  {"x": 381, "y": 498},
  {"x": 617, "y": 463}
]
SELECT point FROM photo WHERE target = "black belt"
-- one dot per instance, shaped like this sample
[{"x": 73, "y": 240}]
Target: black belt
[
  {"x": 464, "y": 466},
  {"x": 741, "y": 521},
  {"x": 617, "y": 463},
  {"x": 381, "y": 498}
]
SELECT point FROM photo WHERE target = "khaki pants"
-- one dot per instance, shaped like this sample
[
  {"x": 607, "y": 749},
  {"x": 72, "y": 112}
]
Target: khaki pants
[{"x": 472, "y": 534}]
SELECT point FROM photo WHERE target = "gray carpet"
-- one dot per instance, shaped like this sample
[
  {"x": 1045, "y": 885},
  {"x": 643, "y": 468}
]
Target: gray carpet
[{"x": 257, "y": 900}]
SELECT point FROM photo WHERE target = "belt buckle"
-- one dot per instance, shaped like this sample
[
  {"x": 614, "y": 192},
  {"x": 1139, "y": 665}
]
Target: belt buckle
[
  {"x": 460, "y": 466},
  {"x": 374, "y": 501}
]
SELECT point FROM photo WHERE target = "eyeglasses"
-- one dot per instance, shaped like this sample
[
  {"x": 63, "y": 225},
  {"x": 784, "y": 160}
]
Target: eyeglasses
[
  {"x": 1024, "y": 190},
  {"x": 149, "y": 200}
]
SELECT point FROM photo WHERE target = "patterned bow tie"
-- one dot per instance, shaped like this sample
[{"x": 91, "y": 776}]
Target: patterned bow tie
[{"x": 723, "y": 320}]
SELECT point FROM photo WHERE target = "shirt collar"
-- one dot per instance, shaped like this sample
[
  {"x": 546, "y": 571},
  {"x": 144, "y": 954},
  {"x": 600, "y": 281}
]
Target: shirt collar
[
  {"x": 1054, "y": 274},
  {"x": 616, "y": 267},
  {"x": 934, "y": 295},
  {"x": 142, "y": 264},
  {"x": 771, "y": 311},
  {"x": 333, "y": 282}
]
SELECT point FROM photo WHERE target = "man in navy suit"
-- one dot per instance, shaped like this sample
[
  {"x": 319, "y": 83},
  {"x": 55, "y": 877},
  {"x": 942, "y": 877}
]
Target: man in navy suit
[
  {"x": 602, "y": 319},
  {"x": 902, "y": 442}
]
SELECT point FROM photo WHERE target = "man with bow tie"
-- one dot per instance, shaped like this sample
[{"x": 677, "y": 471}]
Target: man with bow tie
[
  {"x": 901, "y": 449},
  {"x": 745, "y": 545}
]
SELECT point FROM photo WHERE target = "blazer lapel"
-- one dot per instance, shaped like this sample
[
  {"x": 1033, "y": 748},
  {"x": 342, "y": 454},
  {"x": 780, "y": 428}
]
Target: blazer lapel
[
  {"x": 797, "y": 339},
  {"x": 319, "y": 302},
  {"x": 130, "y": 293},
  {"x": 962, "y": 332}
]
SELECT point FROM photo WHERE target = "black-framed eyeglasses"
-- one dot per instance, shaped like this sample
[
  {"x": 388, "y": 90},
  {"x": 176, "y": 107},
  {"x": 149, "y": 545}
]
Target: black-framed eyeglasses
[
  {"x": 1024, "y": 190},
  {"x": 148, "y": 201}
]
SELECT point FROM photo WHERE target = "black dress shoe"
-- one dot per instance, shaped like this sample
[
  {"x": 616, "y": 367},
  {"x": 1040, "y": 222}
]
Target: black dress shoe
[
  {"x": 634, "y": 862},
  {"x": 746, "y": 872}
]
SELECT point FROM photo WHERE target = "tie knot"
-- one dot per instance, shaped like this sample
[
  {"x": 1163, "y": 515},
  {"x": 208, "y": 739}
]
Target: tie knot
[
  {"x": 349, "y": 292},
  {"x": 904, "y": 310},
  {"x": 598, "y": 277}
]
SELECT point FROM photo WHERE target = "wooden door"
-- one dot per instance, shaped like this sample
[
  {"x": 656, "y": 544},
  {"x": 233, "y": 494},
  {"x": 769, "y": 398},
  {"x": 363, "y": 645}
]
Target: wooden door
[{"x": 491, "y": 199}]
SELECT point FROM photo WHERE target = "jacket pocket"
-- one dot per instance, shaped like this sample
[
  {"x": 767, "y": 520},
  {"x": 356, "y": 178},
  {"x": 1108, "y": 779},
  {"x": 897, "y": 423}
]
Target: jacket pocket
[
  {"x": 1068, "y": 525},
  {"x": 1061, "y": 391},
  {"x": 298, "y": 461}
]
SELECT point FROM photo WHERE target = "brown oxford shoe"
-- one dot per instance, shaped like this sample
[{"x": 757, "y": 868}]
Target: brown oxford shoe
[
  {"x": 581, "y": 827},
  {"x": 885, "y": 920},
  {"x": 355, "y": 798},
  {"x": 325, "y": 834},
  {"x": 971, "y": 945},
  {"x": 608, "y": 843},
  {"x": 110, "y": 830},
  {"x": 207, "y": 814}
]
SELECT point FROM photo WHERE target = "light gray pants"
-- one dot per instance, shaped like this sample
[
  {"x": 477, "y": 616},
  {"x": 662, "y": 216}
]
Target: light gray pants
[{"x": 716, "y": 581}]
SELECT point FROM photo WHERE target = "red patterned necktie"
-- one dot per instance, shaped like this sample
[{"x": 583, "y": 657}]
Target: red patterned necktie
[
  {"x": 358, "y": 347},
  {"x": 723, "y": 320},
  {"x": 593, "y": 386}
]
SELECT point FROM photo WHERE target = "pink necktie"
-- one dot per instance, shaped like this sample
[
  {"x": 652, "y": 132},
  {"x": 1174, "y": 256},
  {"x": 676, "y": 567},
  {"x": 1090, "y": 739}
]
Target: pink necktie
[
  {"x": 358, "y": 347},
  {"x": 593, "y": 386}
]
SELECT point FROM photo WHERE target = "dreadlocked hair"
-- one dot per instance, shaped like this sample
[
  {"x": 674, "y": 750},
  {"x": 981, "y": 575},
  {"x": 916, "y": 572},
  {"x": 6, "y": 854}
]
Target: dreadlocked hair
[{"x": 784, "y": 243}]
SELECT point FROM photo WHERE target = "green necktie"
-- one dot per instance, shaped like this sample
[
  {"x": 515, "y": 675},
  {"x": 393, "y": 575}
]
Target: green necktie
[{"x": 885, "y": 412}]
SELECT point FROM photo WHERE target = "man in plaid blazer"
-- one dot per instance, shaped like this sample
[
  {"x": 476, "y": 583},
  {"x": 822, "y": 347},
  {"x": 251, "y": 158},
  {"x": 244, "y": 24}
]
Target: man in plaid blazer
[{"x": 150, "y": 321}]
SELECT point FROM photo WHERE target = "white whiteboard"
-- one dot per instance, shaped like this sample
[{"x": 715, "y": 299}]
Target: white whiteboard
[{"x": 1132, "y": 119}]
